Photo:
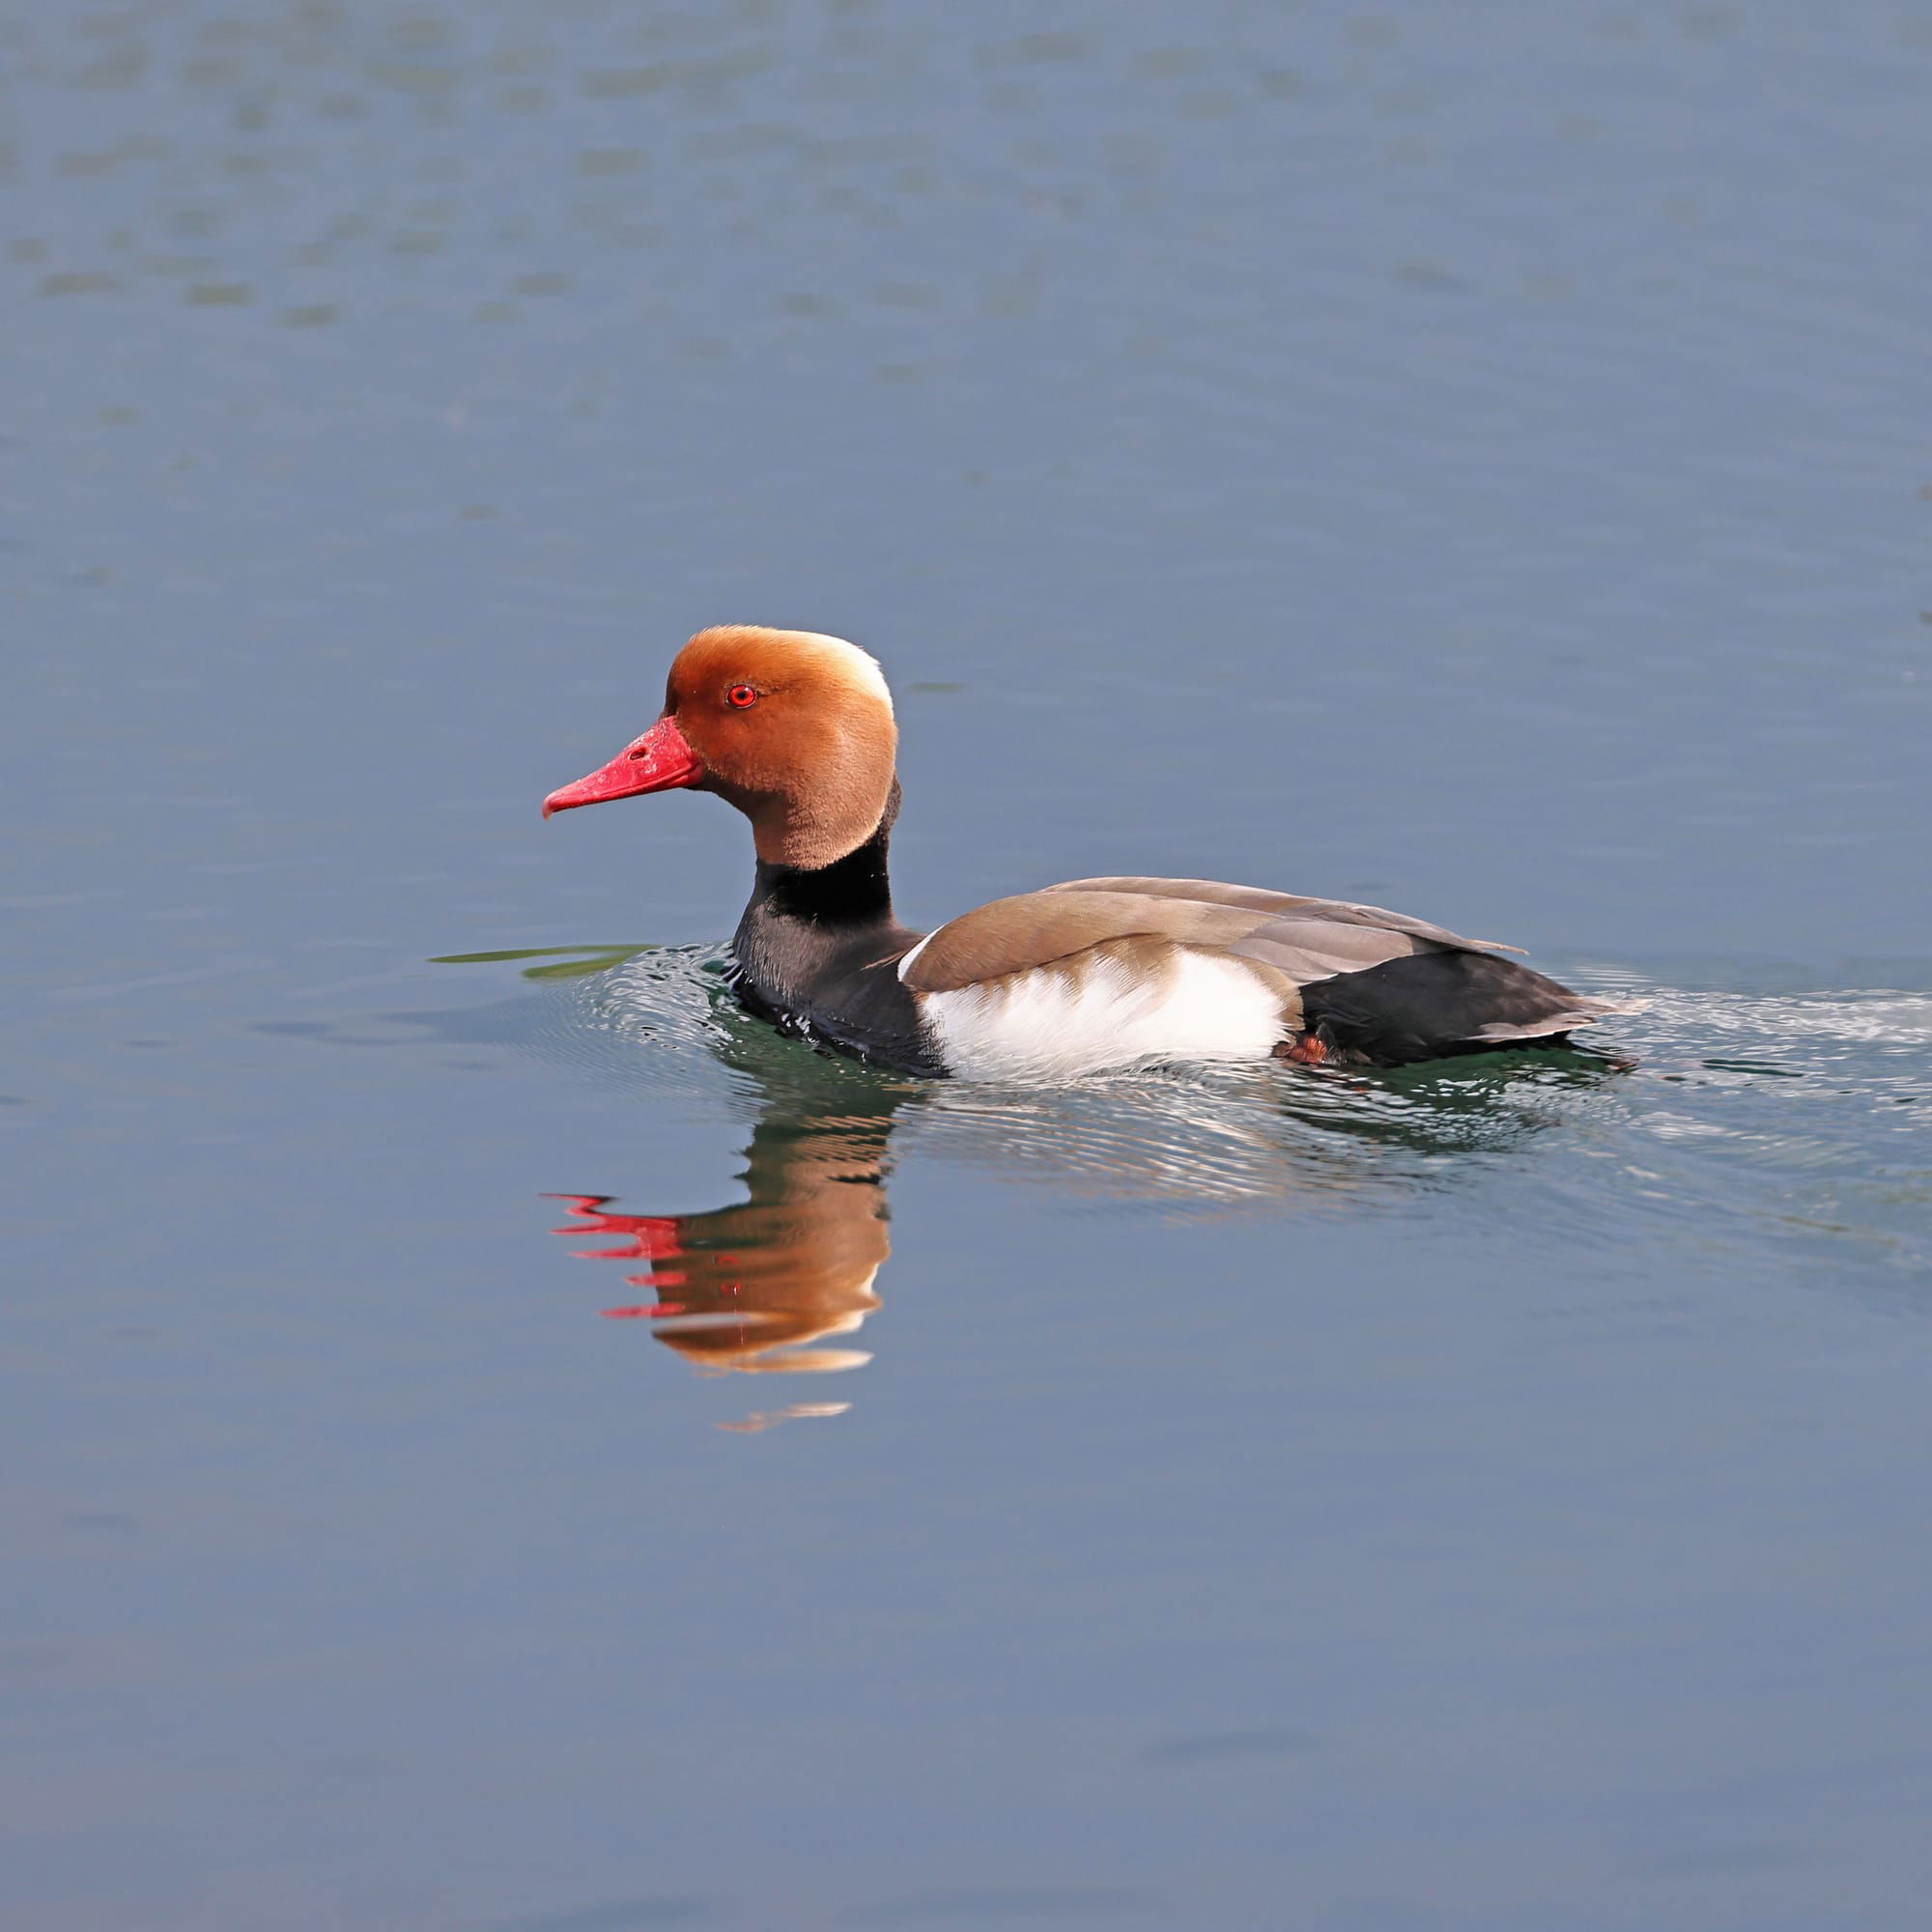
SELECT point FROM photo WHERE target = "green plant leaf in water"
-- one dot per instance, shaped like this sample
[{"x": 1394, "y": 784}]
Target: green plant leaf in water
[{"x": 568, "y": 962}]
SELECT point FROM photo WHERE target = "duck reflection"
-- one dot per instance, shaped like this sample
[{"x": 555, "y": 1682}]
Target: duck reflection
[
  {"x": 782, "y": 1282},
  {"x": 776, "y": 1284}
]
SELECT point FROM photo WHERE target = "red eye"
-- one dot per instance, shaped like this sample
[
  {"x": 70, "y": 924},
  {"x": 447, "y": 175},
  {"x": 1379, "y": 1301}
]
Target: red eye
[{"x": 740, "y": 696}]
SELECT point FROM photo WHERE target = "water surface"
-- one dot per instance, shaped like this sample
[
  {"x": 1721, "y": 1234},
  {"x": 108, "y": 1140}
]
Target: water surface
[{"x": 1467, "y": 460}]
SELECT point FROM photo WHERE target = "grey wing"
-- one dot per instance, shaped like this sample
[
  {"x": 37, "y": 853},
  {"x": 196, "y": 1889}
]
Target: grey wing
[{"x": 1292, "y": 908}]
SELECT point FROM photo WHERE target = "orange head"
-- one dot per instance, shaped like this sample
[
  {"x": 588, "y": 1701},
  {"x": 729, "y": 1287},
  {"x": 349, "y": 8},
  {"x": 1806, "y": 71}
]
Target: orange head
[{"x": 793, "y": 727}]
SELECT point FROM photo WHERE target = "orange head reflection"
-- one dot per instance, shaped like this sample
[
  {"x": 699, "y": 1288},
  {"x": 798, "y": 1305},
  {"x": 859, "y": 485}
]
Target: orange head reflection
[{"x": 761, "y": 1286}]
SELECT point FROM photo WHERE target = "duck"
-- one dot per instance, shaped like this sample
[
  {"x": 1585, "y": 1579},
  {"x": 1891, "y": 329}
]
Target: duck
[{"x": 796, "y": 730}]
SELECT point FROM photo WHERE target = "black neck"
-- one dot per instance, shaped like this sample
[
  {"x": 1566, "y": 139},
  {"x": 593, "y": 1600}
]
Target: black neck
[
  {"x": 855, "y": 890},
  {"x": 817, "y": 948}
]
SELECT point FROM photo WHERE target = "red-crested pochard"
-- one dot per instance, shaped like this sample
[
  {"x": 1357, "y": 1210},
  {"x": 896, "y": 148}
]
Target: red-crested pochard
[{"x": 1097, "y": 975}]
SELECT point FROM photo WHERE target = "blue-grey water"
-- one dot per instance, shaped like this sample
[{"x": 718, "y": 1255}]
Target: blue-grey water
[{"x": 1471, "y": 459}]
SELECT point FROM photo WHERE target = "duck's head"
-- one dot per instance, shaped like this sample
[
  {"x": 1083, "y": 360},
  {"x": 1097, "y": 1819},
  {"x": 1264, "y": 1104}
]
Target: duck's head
[{"x": 793, "y": 727}]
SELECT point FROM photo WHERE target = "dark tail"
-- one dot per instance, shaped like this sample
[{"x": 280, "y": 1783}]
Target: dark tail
[{"x": 1431, "y": 1005}]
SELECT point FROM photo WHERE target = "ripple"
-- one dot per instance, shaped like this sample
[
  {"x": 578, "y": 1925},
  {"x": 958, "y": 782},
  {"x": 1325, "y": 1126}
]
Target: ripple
[
  {"x": 1727, "y": 1113},
  {"x": 1724, "y": 1117}
]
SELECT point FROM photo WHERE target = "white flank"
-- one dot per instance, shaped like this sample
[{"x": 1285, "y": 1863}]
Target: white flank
[
  {"x": 861, "y": 667},
  {"x": 1053, "y": 1025},
  {"x": 906, "y": 964}
]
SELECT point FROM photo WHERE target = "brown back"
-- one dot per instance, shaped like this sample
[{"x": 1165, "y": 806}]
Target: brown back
[{"x": 1297, "y": 940}]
